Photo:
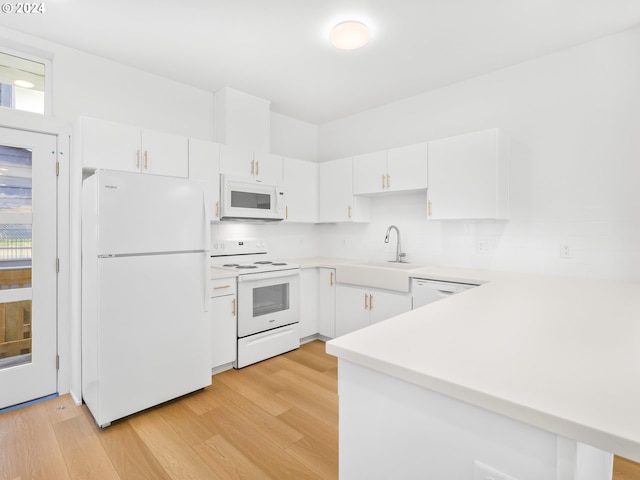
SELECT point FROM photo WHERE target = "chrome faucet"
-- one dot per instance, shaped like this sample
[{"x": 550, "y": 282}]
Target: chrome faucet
[{"x": 399, "y": 254}]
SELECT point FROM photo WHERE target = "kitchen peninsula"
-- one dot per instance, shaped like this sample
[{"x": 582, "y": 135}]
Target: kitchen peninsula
[{"x": 524, "y": 377}]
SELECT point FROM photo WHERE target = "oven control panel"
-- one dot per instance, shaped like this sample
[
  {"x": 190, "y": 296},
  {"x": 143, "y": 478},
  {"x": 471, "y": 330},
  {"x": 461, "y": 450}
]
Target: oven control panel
[{"x": 238, "y": 247}]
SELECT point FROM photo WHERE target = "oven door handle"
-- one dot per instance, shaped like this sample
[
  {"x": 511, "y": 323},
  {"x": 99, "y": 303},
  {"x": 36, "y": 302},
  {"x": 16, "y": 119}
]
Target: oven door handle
[{"x": 294, "y": 272}]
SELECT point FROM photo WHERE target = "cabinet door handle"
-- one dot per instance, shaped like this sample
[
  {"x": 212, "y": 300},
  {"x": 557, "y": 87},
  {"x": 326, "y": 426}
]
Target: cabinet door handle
[
  {"x": 257, "y": 168},
  {"x": 253, "y": 167},
  {"x": 286, "y": 212},
  {"x": 388, "y": 181},
  {"x": 146, "y": 160},
  {"x": 220, "y": 287},
  {"x": 349, "y": 211},
  {"x": 331, "y": 279},
  {"x": 233, "y": 307},
  {"x": 370, "y": 302},
  {"x": 138, "y": 158},
  {"x": 429, "y": 208},
  {"x": 366, "y": 299},
  {"x": 218, "y": 209},
  {"x": 383, "y": 180}
]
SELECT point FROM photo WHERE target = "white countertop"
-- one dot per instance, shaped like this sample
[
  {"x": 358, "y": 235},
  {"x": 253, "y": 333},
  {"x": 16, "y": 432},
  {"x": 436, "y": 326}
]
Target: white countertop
[
  {"x": 217, "y": 273},
  {"x": 562, "y": 354}
]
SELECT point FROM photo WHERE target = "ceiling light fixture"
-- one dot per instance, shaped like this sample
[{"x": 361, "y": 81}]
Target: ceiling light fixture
[
  {"x": 349, "y": 35},
  {"x": 23, "y": 84}
]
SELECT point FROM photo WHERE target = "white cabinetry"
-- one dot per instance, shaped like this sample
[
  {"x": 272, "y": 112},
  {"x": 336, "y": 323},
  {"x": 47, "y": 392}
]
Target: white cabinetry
[
  {"x": 370, "y": 173},
  {"x": 223, "y": 322},
  {"x": 300, "y": 182},
  {"x": 308, "y": 302},
  {"x": 243, "y": 162},
  {"x": 337, "y": 202},
  {"x": 358, "y": 307},
  {"x": 116, "y": 146},
  {"x": 395, "y": 170},
  {"x": 469, "y": 176},
  {"x": 204, "y": 166},
  {"x": 242, "y": 120},
  {"x": 327, "y": 302}
]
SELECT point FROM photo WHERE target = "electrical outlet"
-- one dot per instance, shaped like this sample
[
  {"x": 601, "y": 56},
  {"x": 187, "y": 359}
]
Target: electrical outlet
[
  {"x": 483, "y": 246},
  {"x": 485, "y": 472},
  {"x": 565, "y": 251}
]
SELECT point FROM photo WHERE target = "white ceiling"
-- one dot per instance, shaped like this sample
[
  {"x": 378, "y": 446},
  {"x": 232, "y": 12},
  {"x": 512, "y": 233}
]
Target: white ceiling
[{"x": 278, "y": 49}]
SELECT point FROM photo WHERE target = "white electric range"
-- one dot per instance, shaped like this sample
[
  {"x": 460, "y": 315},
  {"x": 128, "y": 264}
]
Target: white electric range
[{"x": 268, "y": 299}]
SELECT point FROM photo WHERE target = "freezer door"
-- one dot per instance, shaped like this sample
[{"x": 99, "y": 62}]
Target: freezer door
[
  {"x": 140, "y": 213},
  {"x": 152, "y": 334}
]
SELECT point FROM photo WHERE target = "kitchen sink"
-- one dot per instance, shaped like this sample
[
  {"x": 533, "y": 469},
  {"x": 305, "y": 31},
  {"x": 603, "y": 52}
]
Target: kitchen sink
[{"x": 385, "y": 275}]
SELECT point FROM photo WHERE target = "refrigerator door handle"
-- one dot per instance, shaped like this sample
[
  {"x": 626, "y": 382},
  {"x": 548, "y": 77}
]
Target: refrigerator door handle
[
  {"x": 207, "y": 221},
  {"x": 206, "y": 280},
  {"x": 207, "y": 246}
]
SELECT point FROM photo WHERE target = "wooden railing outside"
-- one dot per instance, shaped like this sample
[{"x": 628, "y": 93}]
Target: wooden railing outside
[{"x": 15, "y": 317}]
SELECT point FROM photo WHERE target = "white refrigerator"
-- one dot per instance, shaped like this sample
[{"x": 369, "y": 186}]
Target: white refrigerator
[{"x": 145, "y": 299}]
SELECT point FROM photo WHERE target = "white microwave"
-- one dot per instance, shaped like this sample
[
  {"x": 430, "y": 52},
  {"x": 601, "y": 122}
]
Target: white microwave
[{"x": 244, "y": 199}]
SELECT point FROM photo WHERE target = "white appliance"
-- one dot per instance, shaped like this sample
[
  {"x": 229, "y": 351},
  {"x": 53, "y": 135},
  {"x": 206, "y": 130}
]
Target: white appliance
[
  {"x": 268, "y": 300},
  {"x": 245, "y": 199},
  {"x": 428, "y": 291},
  {"x": 145, "y": 279}
]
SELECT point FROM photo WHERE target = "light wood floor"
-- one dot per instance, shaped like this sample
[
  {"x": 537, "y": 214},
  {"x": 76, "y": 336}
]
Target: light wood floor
[{"x": 277, "y": 419}]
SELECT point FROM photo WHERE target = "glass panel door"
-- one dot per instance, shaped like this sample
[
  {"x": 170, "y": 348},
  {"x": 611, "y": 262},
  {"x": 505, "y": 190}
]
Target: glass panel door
[
  {"x": 27, "y": 266},
  {"x": 270, "y": 299},
  {"x": 15, "y": 254}
]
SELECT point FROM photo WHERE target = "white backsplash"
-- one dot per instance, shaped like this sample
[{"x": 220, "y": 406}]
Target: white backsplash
[
  {"x": 284, "y": 240},
  {"x": 600, "y": 248}
]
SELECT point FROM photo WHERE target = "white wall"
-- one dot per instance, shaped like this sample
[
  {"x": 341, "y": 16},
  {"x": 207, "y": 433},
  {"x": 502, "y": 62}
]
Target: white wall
[
  {"x": 293, "y": 138},
  {"x": 574, "y": 122},
  {"x": 85, "y": 84}
]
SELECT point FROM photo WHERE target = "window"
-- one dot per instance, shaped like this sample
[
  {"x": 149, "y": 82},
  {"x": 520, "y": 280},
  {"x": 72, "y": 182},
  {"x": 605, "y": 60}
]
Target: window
[
  {"x": 23, "y": 83},
  {"x": 15, "y": 253}
]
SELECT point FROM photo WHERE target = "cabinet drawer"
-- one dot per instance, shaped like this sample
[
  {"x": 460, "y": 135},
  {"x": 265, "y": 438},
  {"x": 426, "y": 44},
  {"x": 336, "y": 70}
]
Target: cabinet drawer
[{"x": 222, "y": 286}]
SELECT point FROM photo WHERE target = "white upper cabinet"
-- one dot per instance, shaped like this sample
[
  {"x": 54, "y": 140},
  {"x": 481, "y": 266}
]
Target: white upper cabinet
[
  {"x": 469, "y": 176},
  {"x": 337, "y": 201},
  {"x": 204, "y": 166},
  {"x": 395, "y": 170},
  {"x": 407, "y": 168},
  {"x": 116, "y": 146},
  {"x": 301, "y": 190},
  {"x": 243, "y": 162},
  {"x": 165, "y": 154},
  {"x": 268, "y": 168},
  {"x": 370, "y": 173}
]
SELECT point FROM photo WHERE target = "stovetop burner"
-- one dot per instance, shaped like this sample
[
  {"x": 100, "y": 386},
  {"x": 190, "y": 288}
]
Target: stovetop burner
[{"x": 246, "y": 257}]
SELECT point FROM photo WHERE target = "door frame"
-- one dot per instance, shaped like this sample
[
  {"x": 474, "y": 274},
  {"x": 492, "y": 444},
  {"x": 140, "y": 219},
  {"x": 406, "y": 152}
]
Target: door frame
[{"x": 66, "y": 322}]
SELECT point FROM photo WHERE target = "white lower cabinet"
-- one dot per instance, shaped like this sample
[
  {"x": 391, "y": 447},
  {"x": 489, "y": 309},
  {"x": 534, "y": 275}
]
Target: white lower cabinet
[
  {"x": 223, "y": 322},
  {"x": 358, "y": 307},
  {"x": 327, "y": 302},
  {"x": 308, "y": 302}
]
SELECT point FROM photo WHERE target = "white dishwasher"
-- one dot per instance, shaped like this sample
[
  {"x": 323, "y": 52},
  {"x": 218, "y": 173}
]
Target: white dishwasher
[{"x": 428, "y": 291}]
